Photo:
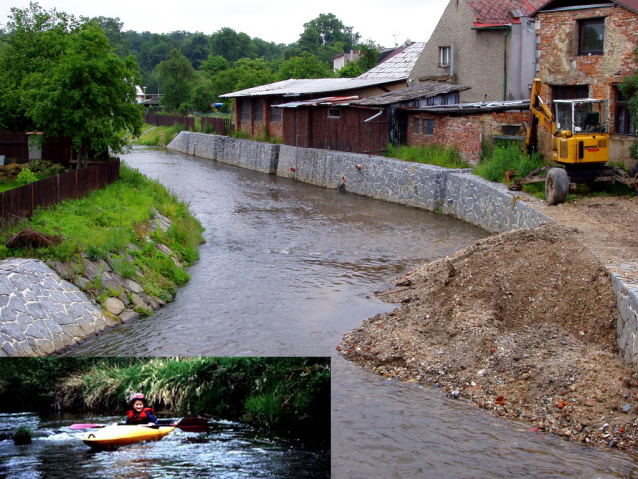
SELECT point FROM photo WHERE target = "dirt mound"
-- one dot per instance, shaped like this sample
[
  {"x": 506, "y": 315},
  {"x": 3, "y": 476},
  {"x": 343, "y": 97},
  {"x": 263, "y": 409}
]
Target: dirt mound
[
  {"x": 522, "y": 323},
  {"x": 9, "y": 173}
]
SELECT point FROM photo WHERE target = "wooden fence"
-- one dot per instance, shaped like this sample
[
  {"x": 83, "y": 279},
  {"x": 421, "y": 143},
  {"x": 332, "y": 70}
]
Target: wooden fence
[
  {"x": 15, "y": 147},
  {"x": 21, "y": 202},
  {"x": 169, "y": 120},
  {"x": 218, "y": 126}
]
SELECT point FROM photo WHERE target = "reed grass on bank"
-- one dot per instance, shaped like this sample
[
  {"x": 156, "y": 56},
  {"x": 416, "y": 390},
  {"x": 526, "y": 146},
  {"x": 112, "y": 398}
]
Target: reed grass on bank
[{"x": 281, "y": 395}]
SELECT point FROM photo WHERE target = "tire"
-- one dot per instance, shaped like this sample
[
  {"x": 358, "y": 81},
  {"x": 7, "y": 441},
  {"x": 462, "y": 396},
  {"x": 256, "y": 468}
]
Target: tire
[
  {"x": 634, "y": 173},
  {"x": 556, "y": 186}
]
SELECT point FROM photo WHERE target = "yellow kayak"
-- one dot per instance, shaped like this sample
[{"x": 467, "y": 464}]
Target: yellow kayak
[{"x": 110, "y": 437}]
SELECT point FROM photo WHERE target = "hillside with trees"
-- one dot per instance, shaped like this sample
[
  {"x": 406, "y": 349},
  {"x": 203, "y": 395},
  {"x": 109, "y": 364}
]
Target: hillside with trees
[{"x": 192, "y": 70}]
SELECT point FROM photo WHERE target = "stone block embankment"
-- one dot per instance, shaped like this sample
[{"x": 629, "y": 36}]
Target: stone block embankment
[
  {"x": 454, "y": 192},
  {"x": 42, "y": 313},
  {"x": 253, "y": 155}
]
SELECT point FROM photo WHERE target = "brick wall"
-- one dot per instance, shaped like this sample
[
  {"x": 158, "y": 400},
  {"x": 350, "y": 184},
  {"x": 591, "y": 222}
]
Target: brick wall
[
  {"x": 559, "y": 63},
  {"x": 465, "y": 132}
]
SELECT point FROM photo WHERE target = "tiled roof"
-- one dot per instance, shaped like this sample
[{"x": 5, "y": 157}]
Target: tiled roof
[
  {"x": 398, "y": 66},
  {"x": 493, "y": 12},
  {"x": 415, "y": 92},
  {"x": 631, "y": 5}
]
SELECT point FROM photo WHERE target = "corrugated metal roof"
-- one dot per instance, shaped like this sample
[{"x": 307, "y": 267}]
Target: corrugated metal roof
[
  {"x": 398, "y": 66},
  {"x": 326, "y": 101},
  {"x": 294, "y": 87},
  {"x": 475, "y": 107},
  {"x": 415, "y": 92}
]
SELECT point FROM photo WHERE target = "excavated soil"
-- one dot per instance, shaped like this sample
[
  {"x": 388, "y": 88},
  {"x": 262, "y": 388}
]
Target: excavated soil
[{"x": 521, "y": 323}]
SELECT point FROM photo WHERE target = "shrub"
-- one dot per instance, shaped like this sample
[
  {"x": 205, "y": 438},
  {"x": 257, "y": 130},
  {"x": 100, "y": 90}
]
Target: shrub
[{"x": 26, "y": 176}]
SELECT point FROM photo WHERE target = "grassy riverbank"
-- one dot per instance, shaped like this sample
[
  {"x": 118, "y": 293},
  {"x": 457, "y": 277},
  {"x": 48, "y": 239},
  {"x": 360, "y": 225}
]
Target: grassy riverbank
[
  {"x": 113, "y": 223},
  {"x": 158, "y": 135},
  {"x": 282, "y": 395}
]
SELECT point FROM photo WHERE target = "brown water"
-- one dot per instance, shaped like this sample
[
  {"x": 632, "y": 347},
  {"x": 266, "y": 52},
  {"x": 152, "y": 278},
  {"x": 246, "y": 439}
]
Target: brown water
[{"x": 286, "y": 270}]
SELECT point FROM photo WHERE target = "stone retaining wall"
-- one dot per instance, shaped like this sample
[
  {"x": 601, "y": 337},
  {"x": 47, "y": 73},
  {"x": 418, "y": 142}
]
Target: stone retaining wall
[
  {"x": 42, "y": 313},
  {"x": 454, "y": 192}
]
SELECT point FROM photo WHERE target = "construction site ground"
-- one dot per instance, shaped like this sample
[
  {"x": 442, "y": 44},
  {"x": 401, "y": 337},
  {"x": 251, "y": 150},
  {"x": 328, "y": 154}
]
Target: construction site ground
[{"x": 521, "y": 323}]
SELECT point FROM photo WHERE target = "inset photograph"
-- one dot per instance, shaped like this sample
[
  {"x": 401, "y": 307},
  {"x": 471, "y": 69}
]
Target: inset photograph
[{"x": 165, "y": 417}]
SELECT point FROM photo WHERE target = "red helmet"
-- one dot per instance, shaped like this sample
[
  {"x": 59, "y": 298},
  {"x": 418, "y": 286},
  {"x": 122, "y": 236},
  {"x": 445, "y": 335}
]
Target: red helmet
[{"x": 137, "y": 397}]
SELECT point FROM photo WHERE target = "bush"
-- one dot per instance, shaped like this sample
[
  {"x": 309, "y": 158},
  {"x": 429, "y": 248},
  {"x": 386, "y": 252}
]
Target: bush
[
  {"x": 22, "y": 436},
  {"x": 447, "y": 157},
  {"x": 26, "y": 176},
  {"x": 505, "y": 158}
]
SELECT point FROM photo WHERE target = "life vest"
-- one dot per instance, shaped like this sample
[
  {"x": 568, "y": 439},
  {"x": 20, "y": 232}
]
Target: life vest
[{"x": 132, "y": 417}]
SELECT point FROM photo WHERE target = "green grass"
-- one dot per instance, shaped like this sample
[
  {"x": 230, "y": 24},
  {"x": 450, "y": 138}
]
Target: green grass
[
  {"x": 287, "y": 395},
  {"x": 429, "y": 154},
  {"x": 106, "y": 222},
  {"x": 159, "y": 136}
]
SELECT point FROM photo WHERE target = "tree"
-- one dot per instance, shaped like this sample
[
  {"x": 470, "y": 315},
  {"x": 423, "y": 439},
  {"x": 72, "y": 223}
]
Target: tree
[
  {"x": 350, "y": 70},
  {"x": 196, "y": 48},
  {"x": 61, "y": 76},
  {"x": 368, "y": 55},
  {"x": 88, "y": 95},
  {"x": 232, "y": 45},
  {"x": 304, "y": 66},
  {"x": 327, "y": 30},
  {"x": 176, "y": 74},
  {"x": 214, "y": 64}
]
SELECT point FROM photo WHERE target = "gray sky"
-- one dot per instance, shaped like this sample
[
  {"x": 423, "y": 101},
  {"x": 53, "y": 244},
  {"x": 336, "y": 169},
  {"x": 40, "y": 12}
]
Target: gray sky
[{"x": 280, "y": 21}]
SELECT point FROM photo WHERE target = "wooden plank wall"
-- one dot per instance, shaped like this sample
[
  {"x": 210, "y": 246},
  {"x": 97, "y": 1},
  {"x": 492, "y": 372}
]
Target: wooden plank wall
[{"x": 312, "y": 128}]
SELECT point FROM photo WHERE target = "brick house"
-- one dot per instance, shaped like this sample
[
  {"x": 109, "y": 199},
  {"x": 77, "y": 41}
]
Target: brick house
[
  {"x": 585, "y": 49},
  {"x": 255, "y": 111},
  {"x": 484, "y": 44},
  {"x": 467, "y": 125}
]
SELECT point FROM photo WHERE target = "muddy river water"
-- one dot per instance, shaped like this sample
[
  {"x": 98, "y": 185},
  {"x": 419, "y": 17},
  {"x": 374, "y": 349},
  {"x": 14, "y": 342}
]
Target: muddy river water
[{"x": 286, "y": 270}]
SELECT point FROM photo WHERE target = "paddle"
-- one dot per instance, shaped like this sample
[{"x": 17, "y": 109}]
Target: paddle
[{"x": 188, "y": 424}]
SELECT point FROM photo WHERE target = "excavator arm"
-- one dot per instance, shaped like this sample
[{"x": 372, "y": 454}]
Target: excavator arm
[{"x": 540, "y": 114}]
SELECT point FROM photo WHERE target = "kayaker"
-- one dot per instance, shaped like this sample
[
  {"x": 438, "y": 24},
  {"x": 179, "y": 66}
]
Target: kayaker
[{"x": 140, "y": 413}]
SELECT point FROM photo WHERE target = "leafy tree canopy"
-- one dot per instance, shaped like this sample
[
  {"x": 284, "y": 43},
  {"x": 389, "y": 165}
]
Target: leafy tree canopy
[
  {"x": 177, "y": 75},
  {"x": 304, "y": 66},
  {"x": 60, "y": 76}
]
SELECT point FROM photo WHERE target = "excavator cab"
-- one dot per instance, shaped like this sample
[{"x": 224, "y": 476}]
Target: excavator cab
[
  {"x": 581, "y": 116},
  {"x": 581, "y": 136}
]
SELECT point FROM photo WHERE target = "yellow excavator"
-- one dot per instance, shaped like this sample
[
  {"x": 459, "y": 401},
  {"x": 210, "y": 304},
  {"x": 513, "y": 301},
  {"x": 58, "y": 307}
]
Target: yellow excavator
[{"x": 580, "y": 145}]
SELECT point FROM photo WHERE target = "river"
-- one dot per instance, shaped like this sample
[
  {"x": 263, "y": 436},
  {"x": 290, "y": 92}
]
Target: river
[
  {"x": 286, "y": 270},
  {"x": 228, "y": 451}
]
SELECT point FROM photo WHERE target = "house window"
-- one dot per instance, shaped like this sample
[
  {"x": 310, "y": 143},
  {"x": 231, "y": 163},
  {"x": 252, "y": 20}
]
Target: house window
[
  {"x": 245, "y": 110},
  {"x": 428, "y": 127},
  {"x": 591, "y": 36},
  {"x": 334, "y": 113},
  {"x": 624, "y": 118},
  {"x": 258, "y": 109},
  {"x": 416, "y": 126},
  {"x": 445, "y": 56},
  {"x": 275, "y": 114}
]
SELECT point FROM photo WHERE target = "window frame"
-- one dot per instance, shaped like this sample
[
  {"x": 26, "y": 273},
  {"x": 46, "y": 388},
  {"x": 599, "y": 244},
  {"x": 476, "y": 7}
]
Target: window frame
[
  {"x": 628, "y": 127},
  {"x": 416, "y": 126},
  {"x": 445, "y": 56},
  {"x": 428, "y": 126},
  {"x": 582, "y": 24},
  {"x": 258, "y": 109},
  {"x": 245, "y": 110},
  {"x": 332, "y": 114}
]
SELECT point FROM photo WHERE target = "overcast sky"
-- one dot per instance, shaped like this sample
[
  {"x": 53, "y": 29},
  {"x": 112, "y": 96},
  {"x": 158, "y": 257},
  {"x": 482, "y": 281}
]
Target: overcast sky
[{"x": 279, "y": 21}]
